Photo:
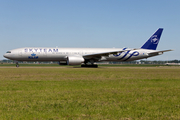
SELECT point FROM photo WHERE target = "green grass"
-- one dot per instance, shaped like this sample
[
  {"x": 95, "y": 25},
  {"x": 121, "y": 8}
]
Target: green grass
[{"x": 81, "y": 93}]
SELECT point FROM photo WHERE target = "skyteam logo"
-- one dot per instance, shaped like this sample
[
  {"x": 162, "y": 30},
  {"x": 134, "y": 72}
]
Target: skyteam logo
[
  {"x": 154, "y": 39},
  {"x": 33, "y": 56},
  {"x": 126, "y": 55}
]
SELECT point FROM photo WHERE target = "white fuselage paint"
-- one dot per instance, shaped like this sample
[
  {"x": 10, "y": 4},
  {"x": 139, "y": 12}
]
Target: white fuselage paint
[{"x": 61, "y": 54}]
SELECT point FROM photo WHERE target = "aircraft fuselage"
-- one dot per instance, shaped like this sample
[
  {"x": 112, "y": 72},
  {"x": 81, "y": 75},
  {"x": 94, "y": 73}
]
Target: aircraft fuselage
[{"x": 61, "y": 54}]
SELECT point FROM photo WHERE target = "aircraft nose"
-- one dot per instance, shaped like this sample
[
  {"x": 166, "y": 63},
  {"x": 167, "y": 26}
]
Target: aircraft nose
[{"x": 5, "y": 55}]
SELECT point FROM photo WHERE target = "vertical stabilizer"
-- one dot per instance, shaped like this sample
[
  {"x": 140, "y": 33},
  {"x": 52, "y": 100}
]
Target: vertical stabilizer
[{"x": 153, "y": 41}]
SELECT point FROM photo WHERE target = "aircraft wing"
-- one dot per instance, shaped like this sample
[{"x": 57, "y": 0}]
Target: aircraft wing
[
  {"x": 158, "y": 52},
  {"x": 99, "y": 55}
]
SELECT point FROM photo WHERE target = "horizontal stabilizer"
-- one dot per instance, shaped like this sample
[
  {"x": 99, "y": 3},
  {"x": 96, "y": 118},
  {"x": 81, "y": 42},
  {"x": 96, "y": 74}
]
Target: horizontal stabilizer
[{"x": 158, "y": 52}]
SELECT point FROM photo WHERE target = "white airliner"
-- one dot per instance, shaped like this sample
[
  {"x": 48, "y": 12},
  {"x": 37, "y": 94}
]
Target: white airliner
[{"x": 84, "y": 56}]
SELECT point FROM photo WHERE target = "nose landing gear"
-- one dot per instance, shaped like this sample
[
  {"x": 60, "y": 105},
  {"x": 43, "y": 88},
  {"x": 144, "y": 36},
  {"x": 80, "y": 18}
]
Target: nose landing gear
[{"x": 17, "y": 65}]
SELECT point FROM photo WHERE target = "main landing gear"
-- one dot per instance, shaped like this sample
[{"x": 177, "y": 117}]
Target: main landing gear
[{"x": 91, "y": 65}]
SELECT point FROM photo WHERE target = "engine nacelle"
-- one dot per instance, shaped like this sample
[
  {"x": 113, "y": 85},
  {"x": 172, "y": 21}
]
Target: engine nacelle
[{"x": 75, "y": 60}]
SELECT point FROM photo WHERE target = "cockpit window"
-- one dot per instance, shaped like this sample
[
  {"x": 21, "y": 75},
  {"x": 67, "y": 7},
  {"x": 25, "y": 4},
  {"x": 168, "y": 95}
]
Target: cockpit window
[{"x": 8, "y": 52}]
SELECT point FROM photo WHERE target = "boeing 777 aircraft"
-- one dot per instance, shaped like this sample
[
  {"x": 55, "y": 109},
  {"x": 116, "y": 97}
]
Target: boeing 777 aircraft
[{"x": 84, "y": 56}]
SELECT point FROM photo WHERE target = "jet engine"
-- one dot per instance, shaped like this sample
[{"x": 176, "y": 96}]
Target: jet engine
[{"x": 75, "y": 60}]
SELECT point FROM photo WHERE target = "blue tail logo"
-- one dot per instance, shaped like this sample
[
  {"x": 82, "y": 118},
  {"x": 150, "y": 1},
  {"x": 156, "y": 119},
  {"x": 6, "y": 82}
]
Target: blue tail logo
[{"x": 153, "y": 41}]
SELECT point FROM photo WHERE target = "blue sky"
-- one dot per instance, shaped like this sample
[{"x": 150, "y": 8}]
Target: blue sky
[{"x": 89, "y": 23}]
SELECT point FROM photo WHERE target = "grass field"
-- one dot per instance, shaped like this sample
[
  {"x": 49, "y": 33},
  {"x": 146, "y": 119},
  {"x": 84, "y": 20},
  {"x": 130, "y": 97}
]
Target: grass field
[{"x": 90, "y": 93}]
